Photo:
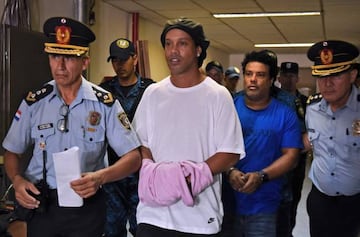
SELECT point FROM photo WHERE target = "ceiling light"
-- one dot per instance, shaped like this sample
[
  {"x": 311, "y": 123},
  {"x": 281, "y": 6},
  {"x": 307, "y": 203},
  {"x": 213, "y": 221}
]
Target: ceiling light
[
  {"x": 290, "y": 45},
  {"x": 264, "y": 14}
]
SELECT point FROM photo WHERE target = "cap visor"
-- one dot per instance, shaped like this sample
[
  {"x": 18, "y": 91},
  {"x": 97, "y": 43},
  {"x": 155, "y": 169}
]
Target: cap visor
[{"x": 121, "y": 58}]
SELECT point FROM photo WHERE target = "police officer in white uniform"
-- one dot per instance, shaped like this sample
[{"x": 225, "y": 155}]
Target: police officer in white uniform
[
  {"x": 66, "y": 112},
  {"x": 333, "y": 125}
]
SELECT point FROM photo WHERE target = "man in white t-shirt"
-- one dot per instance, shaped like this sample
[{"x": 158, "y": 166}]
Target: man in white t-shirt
[{"x": 190, "y": 133}]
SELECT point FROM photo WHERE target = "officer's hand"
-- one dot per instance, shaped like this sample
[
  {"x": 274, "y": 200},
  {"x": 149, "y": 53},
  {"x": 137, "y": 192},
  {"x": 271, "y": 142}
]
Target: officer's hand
[
  {"x": 87, "y": 185},
  {"x": 21, "y": 187}
]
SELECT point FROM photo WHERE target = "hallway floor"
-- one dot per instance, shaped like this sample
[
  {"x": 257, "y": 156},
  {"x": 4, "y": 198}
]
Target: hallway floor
[{"x": 302, "y": 221}]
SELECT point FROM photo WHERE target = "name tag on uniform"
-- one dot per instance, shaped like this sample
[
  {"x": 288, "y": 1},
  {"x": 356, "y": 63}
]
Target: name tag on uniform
[{"x": 45, "y": 126}]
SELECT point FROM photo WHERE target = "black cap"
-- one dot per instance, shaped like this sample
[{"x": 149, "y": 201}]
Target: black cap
[
  {"x": 232, "y": 72},
  {"x": 289, "y": 67},
  {"x": 216, "y": 65},
  {"x": 331, "y": 57},
  {"x": 67, "y": 36},
  {"x": 194, "y": 29},
  {"x": 122, "y": 49}
]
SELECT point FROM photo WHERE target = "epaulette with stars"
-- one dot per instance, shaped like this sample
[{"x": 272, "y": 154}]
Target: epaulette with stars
[
  {"x": 104, "y": 96},
  {"x": 314, "y": 98},
  {"x": 34, "y": 96}
]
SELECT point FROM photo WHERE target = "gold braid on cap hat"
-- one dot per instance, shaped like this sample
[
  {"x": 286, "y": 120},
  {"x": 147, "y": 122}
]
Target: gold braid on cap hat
[
  {"x": 65, "y": 49},
  {"x": 318, "y": 70}
]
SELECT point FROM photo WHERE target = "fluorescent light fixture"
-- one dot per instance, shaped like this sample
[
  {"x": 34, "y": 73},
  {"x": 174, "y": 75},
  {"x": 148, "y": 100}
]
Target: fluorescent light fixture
[
  {"x": 290, "y": 45},
  {"x": 264, "y": 14}
]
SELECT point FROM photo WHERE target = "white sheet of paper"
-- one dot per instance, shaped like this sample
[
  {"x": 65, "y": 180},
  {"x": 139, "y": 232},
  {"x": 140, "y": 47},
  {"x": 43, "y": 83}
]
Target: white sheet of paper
[{"x": 67, "y": 169}]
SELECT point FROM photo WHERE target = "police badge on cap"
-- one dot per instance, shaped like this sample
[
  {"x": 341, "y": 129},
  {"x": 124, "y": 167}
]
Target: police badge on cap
[
  {"x": 67, "y": 36},
  {"x": 289, "y": 67},
  {"x": 121, "y": 49},
  {"x": 331, "y": 57}
]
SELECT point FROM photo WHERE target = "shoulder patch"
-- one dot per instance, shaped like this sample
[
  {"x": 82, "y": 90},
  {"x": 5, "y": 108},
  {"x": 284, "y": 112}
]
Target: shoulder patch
[
  {"x": 34, "y": 96},
  {"x": 104, "y": 96},
  {"x": 314, "y": 98}
]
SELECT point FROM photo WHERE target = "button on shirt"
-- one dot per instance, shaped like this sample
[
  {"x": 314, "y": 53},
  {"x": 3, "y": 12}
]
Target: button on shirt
[
  {"x": 91, "y": 124},
  {"x": 336, "y": 148}
]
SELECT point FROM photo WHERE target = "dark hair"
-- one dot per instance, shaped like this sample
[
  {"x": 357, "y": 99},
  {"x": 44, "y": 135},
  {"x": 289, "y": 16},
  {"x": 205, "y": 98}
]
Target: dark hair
[
  {"x": 194, "y": 29},
  {"x": 266, "y": 57}
]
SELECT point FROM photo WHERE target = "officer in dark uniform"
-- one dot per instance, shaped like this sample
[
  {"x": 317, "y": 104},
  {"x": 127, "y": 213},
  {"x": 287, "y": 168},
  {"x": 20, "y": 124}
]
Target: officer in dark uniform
[
  {"x": 289, "y": 77},
  {"x": 68, "y": 111},
  {"x": 128, "y": 87},
  {"x": 333, "y": 125}
]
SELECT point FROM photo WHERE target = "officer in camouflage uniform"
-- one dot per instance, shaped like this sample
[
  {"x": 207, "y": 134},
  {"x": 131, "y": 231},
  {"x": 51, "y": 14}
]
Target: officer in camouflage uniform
[
  {"x": 288, "y": 77},
  {"x": 127, "y": 86}
]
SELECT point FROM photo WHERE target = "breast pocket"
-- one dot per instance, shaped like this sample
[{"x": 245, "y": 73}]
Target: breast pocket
[
  {"x": 93, "y": 138},
  {"x": 352, "y": 148}
]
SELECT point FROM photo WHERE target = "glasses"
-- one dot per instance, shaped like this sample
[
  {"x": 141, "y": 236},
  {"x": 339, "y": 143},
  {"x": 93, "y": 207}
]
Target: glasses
[{"x": 63, "y": 123}]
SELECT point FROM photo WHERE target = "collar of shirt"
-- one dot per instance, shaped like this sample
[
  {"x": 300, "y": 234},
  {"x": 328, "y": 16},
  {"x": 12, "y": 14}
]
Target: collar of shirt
[{"x": 352, "y": 103}]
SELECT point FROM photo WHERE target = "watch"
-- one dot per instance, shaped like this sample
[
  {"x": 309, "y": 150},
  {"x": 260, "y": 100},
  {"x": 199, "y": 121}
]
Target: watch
[
  {"x": 230, "y": 170},
  {"x": 263, "y": 176}
]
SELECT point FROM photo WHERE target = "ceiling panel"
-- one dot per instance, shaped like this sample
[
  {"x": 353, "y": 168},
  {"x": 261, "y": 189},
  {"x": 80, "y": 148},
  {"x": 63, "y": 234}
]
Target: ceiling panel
[{"x": 290, "y": 5}]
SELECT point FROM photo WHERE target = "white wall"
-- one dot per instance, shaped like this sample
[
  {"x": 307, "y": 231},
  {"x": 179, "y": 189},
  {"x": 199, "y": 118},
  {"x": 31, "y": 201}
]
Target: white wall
[
  {"x": 110, "y": 24},
  {"x": 40, "y": 10},
  {"x": 151, "y": 33}
]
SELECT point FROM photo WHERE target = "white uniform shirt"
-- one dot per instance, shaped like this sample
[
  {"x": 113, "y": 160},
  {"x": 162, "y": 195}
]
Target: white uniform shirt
[
  {"x": 92, "y": 125},
  {"x": 336, "y": 146}
]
